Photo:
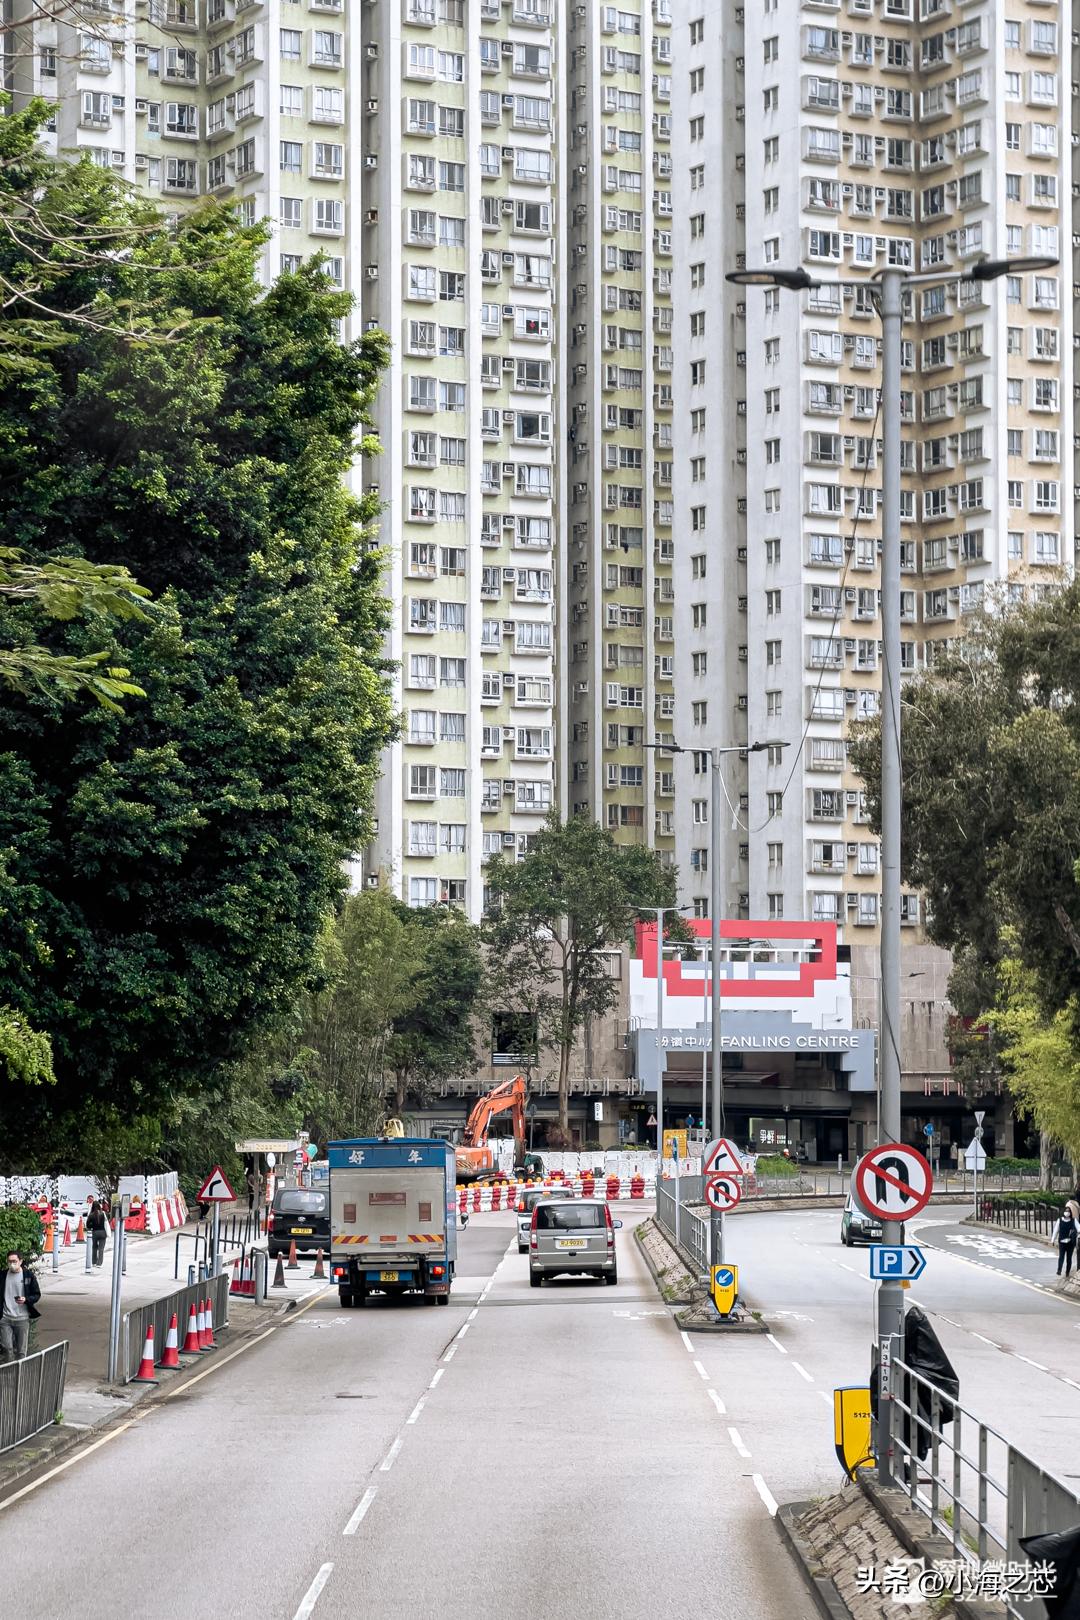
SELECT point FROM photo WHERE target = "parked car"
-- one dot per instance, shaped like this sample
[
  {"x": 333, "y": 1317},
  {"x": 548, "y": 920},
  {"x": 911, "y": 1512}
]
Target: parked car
[
  {"x": 858, "y": 1227},
  {"x": 525, "y": 1206},
  {"x": 572, "y": 1235},
  {"x": 302, "y": 1216}
]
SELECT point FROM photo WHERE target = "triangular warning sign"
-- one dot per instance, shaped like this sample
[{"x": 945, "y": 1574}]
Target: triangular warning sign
[
  {"x": 722, "y": 1156},
  {"x": 215, "y": 1189}
]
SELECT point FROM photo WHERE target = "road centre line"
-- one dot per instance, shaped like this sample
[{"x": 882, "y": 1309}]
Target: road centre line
[
  {"x": 686, "y": 1340},
  {"x": 737, "y": 1441},
  {"x": 438, "y": 1374},
  {"x": 472, "y": 1314},
  {"x": 417, "y": 1409},
  {"x": 775, "y": 1342},
  {"x": 360, "y": 1511},
  {"x": 462, "y": 1330},
  {"x": 391, "y": 1456},
  {"x": 802, "y": 1372},
  {"x": 766, "y": 1495},
  {"x": 825, "y": 1397},
  {"x": 701, "y": 1371},
  {"x": 717, "y": 1402},
  {"x": 311, "y": 1596},
  {"x": 449, "y": 1353},
  {"x": 1036, "y": 1364}
]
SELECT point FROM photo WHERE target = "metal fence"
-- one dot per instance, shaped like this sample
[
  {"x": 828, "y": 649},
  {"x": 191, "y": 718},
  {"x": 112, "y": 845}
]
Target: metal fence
[
  {"x": 31, "y": 1393},
  {"x": 159, "y": 1312},
  {"x": 1039, "y": 1219},
  {"x": 685, "y": 1219},
  {"x": 976, "y": 1489}
]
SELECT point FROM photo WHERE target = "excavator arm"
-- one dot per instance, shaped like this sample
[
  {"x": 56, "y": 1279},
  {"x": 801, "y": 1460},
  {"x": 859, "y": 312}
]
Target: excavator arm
[{"x": 473, "y": 1155}]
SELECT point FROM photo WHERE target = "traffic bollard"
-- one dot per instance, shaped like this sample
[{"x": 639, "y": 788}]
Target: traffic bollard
[
  {"x": 88, "y": 1240},
  {"x": 261, "y": 1260},
  {"x": 56, "y": 1245}
]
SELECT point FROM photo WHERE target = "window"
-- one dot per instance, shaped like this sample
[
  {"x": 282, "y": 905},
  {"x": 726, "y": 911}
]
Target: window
[
  {"x": 292, "y": 157},
  {"x": 771, "y": 98},
  {"x": 771, "y": 49},
  {"x": 776, "y": 907}
]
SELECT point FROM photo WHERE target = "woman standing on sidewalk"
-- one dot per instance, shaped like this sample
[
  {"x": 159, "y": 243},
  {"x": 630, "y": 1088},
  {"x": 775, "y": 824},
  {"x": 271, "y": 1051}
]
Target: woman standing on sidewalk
[
  {"x": 1068, "y": 1228},
  {"x": 98, "y": 1226}
]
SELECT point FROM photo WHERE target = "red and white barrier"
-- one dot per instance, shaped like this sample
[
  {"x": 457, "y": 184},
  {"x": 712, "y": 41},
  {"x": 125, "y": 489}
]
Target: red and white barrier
[{"x": 504, "y": 1194}]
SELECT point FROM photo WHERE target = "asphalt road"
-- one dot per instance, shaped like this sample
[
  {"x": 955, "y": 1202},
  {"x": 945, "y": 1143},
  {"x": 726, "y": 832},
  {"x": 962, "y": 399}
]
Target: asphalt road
[
  {"x": 547, "y": 1451},
  {"x": 561, "y": 1450}
]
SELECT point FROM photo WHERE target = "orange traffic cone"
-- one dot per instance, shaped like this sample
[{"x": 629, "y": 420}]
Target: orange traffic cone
[
  {"x": 145, "y": 1374},
  {"x": 67, "y": 1235},
  {"x": 49, "y": 1244},
  {"x": 320, "y": 1270},
  {"x": 249, "y": 1277},
  {"x": 209, "y": 1345},
  {"x": 294, "y": 1264},
  {"x": 236, "y": 1282},
  {"x": 201, "y": 1319},
  {"x": 171, "y": 1354},
  {"x": 191, "y": 1338},
  {"x": 80, "y": 1235}
]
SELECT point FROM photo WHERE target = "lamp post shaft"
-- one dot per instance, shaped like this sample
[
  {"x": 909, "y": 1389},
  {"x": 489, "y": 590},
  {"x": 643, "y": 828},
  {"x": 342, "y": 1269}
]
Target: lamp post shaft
[
  {"x": 716, "y": 1101},
  {"x": 890, "y": 1296}
]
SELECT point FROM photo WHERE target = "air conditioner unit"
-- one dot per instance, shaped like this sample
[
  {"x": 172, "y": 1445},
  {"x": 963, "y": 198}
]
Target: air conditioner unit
[
  {"x": 507, "y": 47},
  {"x": 371, "y": 105},
  {"x": 371, "y": 216},
  {"x": 849, "y": 644},
  {"x": 851, "y": 799},
  {"x": 851, "y": 900},
  {"x": 508, "y": 839},
  {"x": 508, "y": 258},
  {"x": 371, "y": 50},
  {"x": 508, "y": 733},
  {"x": 141, "y": 161},
  {"x": 849, "y": 594},
  {"x": 508, "y": 362},
  {"x": 742, "y": 701},
  {"x": 853, "y": 849},
  {"x": 508, "y": 520},
  {"x": 140, "y": 105},
  {"x": 507, "y": 206},
  {"x": 372, "y": 880},
  {"x": 509, "y": 680},
  {"x": 507, "y": 152},
  {"x": 850, "y": 698},
  {"x": 508, "y": 787},
  {"x": 508, "y": 417},
  {"x": 508, "y": 469},
  {"x": 372, "y": 272}
]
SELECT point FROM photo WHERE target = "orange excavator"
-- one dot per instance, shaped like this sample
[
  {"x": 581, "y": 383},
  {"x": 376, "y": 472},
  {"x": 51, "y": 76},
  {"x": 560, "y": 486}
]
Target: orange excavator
[{"x": 473, "y": 1155}]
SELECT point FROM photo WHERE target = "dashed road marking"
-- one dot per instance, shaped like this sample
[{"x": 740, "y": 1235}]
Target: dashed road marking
[
  {"x": 775, "y": 1342},
  {"x": 361, "y": 1510},
  {"x": 391, "y": 1456},
  {"x": 1036, "y": 1364},
  {"x": 438, "y": 1374},
  {"x": 686, "y": 1340},
  {"x": 766, "y": 1495},
  {"x": 737, "y": 1441},
  {"x": 825, "y": 1397},
  {"x": 417, "y": 1409},
  {"x": 717, "y": 1402},
  {"x": 449, "y": 1353},
  {"x": 311, "y": 1596},
  {"x": 802, "y": 1372},
  {"x": 701, "y": 1371}
]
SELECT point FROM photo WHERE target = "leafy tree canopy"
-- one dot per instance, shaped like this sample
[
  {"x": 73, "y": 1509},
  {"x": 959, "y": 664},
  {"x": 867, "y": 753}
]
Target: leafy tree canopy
[
  {"x": 165, "y": 871},
  {"x": 553, "y": 918}
]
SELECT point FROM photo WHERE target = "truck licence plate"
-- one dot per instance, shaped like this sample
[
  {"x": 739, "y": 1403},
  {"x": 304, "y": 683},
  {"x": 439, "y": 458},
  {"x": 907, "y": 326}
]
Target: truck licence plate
[
  {"x": 388, "y": 1276},
  {"x": 570, "y": 1243}
]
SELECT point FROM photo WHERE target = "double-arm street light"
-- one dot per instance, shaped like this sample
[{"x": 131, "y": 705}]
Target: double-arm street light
[{"x": 890, "y": 284}]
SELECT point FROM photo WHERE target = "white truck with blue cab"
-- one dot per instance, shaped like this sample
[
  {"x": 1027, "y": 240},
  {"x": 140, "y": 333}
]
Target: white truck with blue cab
[{"x": 393, "y": 1217}]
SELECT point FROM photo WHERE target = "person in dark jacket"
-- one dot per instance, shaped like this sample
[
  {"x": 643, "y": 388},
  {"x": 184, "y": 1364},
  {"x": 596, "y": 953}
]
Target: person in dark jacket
[
  {"x": 18, "y": 1307},
  {"x": 97, "y": 1223}
]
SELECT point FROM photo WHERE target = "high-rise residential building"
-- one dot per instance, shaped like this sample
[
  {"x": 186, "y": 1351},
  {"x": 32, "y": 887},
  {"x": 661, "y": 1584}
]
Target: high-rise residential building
[
  {"x": 625, "y": 502},
  {"x": 188, "y": 99},
  {"x": 922, "y": 134}
]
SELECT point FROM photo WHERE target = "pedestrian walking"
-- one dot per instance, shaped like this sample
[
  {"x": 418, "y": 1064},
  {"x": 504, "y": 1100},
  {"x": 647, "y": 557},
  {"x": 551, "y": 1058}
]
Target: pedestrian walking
[
  {"x": 19, "y": 1306},
  {"x": 1068, "y": 1229},
  {"x": 97, "y": 1223}
]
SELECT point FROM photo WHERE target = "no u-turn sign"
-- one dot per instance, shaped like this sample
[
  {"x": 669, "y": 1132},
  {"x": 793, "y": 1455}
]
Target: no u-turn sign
[{"x": 893, "y": 1182}]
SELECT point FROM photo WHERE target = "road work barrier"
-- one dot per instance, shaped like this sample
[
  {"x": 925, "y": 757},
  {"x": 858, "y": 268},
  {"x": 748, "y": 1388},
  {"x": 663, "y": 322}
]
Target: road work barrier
[
  {"x": 31, "y": 1393},
  {"x": 505, "y": 1194},
  {"x": 158, "y": 1315}
]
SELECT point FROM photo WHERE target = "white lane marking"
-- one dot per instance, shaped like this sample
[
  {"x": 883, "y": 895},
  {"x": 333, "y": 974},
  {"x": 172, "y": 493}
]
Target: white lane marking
[
  {"x": 391, "y": 1456},
  {"x": 825, "y": 1397},
  {"x": 717, "y": 1402},
  {"x": 449, "y": 1356},
  {"x": 982, "y": 1337},
  {"x": 438, "y": 1374},
  {"x": 361, "y": 1510},
  {"x": 462, "y": 1330},
  {"x": 311, "y": 1596},
  {"x": 472, "y": 1314},
  {"x": 802, "y": 1372},
  {"x": 775, "y": 1342},
  {"x": 737, "y": 1441},
  {"x": 766, "y": 1495},
  {"x": 1072, "y": 1381},
  {"x": 417, "y": 1409},
  {"x": 1036, "y": 1364},
  {"x": 686, "y": 1340},
  {"x": 701, "y": 1371}
]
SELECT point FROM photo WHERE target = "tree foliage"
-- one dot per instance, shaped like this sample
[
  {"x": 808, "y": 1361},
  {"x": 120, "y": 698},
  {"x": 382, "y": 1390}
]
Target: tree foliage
[
  {"x": 166, "y": 871},
  {"x": 553, "y": 919},
  {"x": 1040, "y": 1055}
]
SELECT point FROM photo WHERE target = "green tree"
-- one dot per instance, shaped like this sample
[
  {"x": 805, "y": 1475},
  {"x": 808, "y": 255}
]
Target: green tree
[
  {"x": 552, "y": 920},
  {"x": 1040, "y": 1056},
  {"x": 166, "y": 871},
  {"x": 435, "y": 1038},
  {"x": 66, "y": 589}
]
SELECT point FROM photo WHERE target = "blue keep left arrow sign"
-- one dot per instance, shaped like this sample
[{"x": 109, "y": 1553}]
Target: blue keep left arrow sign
[{"x": 896, "y": 1262}]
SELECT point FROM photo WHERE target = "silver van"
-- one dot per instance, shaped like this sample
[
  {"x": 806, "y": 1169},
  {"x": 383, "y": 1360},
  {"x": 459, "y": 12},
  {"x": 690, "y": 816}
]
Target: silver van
[{"x": 572, "y": 1235}]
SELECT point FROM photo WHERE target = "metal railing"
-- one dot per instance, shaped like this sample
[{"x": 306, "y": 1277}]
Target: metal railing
[
  {"x": 685, "y": 1221},
  {"x": 976, "y": 1489},
  {"x": 158, "y": 1312},
  {"x": 31, "y": 1393},
  {"x": 1039, "y": 1219}
]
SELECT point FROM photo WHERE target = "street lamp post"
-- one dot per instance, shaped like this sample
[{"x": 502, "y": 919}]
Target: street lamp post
[{"x": 891, "y": 284}]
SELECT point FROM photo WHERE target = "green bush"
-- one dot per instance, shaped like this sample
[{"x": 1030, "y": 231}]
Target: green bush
[
  {"x": 1012, "y": 1167},
  {"x": 20, "y": 1230},
  {"x": 1054, "y": 1200},
  {"x": 774, "y": 1164}
]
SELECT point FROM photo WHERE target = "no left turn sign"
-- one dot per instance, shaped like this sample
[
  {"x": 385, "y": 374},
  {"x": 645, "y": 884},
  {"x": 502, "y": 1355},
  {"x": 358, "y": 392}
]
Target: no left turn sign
[
  {"x": 893, "y": 1182},
  {"x": 722, "y": 1192}
]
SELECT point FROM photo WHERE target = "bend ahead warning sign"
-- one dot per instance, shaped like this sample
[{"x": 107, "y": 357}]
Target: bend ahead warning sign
[
  {"x": 893, "y": 1182},
  {"x": 215, "y": 1189}
]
